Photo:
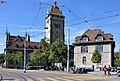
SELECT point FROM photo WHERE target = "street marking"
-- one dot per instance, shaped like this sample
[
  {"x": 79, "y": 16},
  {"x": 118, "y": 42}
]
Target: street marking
[
  {"x": 82, "y": 78},
  {"x": 29, "y": 79},
  {"x": 40, "y": 79},
  {"x": 52, "y": 79},
  {"x": 63, "y": 79},
  {"x": 16, "y": 80},
  {"x": 74, "y": 78}
]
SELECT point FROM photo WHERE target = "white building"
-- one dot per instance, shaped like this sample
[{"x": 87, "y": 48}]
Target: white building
[{"x": 85, "y": 45}]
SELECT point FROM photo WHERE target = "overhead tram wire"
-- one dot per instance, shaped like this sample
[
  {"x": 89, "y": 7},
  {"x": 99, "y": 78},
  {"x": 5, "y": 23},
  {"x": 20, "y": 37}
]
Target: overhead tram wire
[
  {"x": 23, "y": 3},
  {"x": 110, "y": 11},
  {"x": 96, "y": 19},
  {"x": 86, "y": 21},
  {"x": 35, "y": 16},
  {"x": 108, "y": 24}
]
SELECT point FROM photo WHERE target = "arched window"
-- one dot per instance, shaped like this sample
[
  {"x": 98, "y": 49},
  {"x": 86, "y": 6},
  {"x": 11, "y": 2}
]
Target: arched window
[{"x": 84, "y": 60}]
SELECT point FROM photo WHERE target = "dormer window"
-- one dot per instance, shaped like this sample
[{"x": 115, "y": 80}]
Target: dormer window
[
  {"x": 99, "y": 38},
  {"x": 84, "y": 39}
]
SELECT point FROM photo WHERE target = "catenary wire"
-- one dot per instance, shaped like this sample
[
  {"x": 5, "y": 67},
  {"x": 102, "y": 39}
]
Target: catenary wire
[
  {"x": 35, "y": 16},
  {"x": 96, "y": 19},
  {"x": 110, "y": 11},
  {"x": 77, "y": 16}
]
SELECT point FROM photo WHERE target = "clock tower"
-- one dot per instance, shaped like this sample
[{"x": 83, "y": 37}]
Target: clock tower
[{"x": 54, "y": 24}]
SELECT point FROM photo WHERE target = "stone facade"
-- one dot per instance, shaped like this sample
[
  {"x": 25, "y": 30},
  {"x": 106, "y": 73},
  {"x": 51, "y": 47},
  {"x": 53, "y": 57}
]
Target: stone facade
[
  {"x": 54, "y": 24},
  {"x": 82, "y": 57}
]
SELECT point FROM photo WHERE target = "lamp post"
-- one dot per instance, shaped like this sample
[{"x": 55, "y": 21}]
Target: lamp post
[
  {"x": 68, "y": 54},
  {"x": 25, "y": 53}
]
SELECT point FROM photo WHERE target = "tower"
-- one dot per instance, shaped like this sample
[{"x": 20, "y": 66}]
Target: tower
[{"x": 54, "y": 24}]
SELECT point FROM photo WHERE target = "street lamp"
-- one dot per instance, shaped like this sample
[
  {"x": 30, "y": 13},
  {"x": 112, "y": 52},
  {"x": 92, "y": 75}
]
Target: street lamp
[
  {"x": 68, "y": 54},
  {"x": 25, "y": 53}
]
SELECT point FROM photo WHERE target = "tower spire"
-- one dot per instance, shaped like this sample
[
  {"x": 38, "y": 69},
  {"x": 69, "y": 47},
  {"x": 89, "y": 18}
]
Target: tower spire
[{"x": 55, "y": 3}]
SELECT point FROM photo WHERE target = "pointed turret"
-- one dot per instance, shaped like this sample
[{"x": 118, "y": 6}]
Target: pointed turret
[{"x": 54, "y": 24}]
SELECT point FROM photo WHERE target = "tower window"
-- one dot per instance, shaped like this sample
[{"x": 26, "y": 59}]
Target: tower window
[
  {"x": 56, "y": 25},
  {"x": 59, "y": 25},
  {"x": 57, "y": 32}
]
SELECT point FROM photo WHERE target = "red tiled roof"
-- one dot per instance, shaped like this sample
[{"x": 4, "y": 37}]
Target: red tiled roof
[
  {"x": 17, "y": 42},
  {"x": 55, "y": 11},
  {"x": 92, "y": 34}
]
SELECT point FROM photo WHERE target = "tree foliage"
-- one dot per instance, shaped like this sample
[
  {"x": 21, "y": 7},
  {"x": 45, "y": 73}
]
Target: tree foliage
[
  {"x": 45, "y": 51},
  {"x": 10, "y": 58},
  {"x": 2, "y": 58},
  {"x": 117, "y": 58},
  {"x": 58, "y": 50},
  {"x": 36, "y": 56},
  {"x": 96, "y": 57},
  {"x": 51, "y": 53},
  {"x": 19, "y": 57}
]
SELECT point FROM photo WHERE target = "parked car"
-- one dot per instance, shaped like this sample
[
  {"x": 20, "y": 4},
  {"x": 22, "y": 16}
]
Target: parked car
[
  {"x": 82, "y": 70},
  {"x": 113, "y": 69},
  {"x": 118, "y": 71}
]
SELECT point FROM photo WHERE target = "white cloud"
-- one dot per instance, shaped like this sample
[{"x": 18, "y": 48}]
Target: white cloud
[{"x": 34, "y": 30}]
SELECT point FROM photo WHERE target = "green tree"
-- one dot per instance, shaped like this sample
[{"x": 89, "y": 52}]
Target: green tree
[
  {"x": 19, "y": 58},
  {"x": 96, "y": 57},
  {"x": 44, "y": 44},
  {"x": 54, "y": 52},
  {"x": 117, "y": 58},
  {"x": 10, "y": 58},
  {"x": 58, "y": 50},
  {"x": 2, "y": 60},
  {"x": 45, "y": 51},
  {"x": 36, "y": 57}
]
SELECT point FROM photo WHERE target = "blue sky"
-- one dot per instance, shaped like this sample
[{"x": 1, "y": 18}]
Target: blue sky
[{"x": 20, "y": 15}]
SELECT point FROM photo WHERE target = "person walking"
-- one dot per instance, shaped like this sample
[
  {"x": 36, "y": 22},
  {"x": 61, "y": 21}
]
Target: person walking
[
  {"x": 105, "y": 69},
  {"x": 109, "y": 69}
]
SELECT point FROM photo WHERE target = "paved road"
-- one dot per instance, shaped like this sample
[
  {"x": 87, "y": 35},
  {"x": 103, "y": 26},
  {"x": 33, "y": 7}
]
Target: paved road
[{"x": 18, "y": 75}]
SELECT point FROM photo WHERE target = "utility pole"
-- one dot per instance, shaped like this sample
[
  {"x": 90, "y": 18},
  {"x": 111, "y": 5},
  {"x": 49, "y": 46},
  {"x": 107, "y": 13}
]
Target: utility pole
[
  {"x": 68, "y": 54},
  {"x": 25, "y": 53}
]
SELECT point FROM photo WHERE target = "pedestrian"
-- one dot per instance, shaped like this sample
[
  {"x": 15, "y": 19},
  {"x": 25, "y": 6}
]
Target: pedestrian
[
  {"x": 105, "y": 69},
  {"x": 74, "y": 69},
  {"x": 109, "y": 69},
  {"x": 93, "y": 67}
]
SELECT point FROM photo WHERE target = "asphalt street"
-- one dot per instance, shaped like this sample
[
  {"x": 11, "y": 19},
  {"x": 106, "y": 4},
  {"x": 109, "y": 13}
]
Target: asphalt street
[{"x": 37, "y": 75}]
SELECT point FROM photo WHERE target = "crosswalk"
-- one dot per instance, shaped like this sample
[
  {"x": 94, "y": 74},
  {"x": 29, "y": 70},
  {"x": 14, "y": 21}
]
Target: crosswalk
[{"x": 64, "y": 78}]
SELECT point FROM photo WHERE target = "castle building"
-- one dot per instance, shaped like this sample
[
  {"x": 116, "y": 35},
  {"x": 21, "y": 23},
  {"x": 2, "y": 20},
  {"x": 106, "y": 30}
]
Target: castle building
[
  {"x": 54, "y": 24},
  {"x": 85, "y": 45},
  {"x": 16, "y": 44}
]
